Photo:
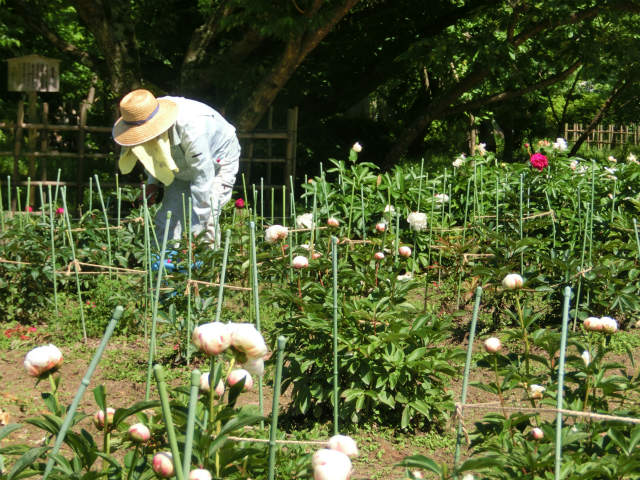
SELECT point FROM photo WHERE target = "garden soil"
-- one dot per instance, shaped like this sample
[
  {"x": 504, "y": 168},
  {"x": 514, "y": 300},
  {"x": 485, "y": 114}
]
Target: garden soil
[{"x": 20, "y": 399}]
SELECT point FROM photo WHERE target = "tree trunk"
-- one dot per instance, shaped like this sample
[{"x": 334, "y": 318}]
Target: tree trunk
[
  {"x": 598, "y": 117},
  {"x": 295, "y": 51}
]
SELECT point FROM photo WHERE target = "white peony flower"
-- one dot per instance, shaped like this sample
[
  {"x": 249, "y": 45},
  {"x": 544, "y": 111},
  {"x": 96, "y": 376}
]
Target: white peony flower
[
  {"x": 305, "y": 220},
  {"x": 378, "y": 255},
  {"x": 441, "y": 197},
  {"x": 404, "y": 251},
  {"x": 275, "y": 233},
  {"x": 299, "y": 262},
  {"x": 389, "y": 209},
  {"x": 560, "y": 144},
  {"x": 632, "y": 158},
  {"x": 357, "y": 147},
  {"x": 199, "y": 474},
  {"x": 344, "y": 444},
  {"x": 417, "y": 221},
  {"x": 609, "y": 325},
  {"x": 246, "y": 338},
  {"x": 330, "y": 465},
  {"x": 212, "y": 338},
  {"x": 573, "y": 165},
  {"x": 611, "y": 158},
  {"x": 42, "y": 359},
  {"x": 404, "y": 277},
  {"x": 333, "y": 222},
  {"x": 536, "y": 391},
  {"x": 459, "y": 161},
  {"x": 586, "y": 358},
  {"x": 481, "y": 149},
  {"x": 537, "y": 433}
]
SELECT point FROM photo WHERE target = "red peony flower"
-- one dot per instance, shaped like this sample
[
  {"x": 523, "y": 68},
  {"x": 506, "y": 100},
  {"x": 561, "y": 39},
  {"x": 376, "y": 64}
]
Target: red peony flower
[
  {"x": 59, "y": 211},
  {"x": 240, "y": 203},
  {"x": 28, "y": 209},
  {"x": 539, "y": 161}
]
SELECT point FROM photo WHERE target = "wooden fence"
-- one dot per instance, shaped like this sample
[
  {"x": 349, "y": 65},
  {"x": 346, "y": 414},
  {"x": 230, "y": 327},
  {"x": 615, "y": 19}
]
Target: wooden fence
[
  {"x": 609, "y": 136},
  {"x": 268, "y": 156}
]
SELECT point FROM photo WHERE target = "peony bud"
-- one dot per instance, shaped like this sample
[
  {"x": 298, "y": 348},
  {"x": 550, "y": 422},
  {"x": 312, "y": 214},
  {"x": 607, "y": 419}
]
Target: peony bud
[
  {"x": 609, "y": 325},
  {"x": 247, "y": 339},
  {"x": 592, "y": 323},
  {"x": 237, "y": 375},
  {"x": 378, "y": 255},
  {"x": 333, "y": 222},
  {"x": 492, "y": 345},
  {"x": 315, "y": 255},
  {"x": 199, "y": 474},
  {"x": 42, "y": 359},
  {"x": 381, "y": 227},
  {"x": 98, "y": 418},
  {"x": 239, "y": 203},
  {"x": 330, "y": 465},
  {"x": 204, "y": 385},
  {"x": 536, "y": 391},
  {"x": 344, "y": 444},
  {"x": 512, "y": 281},
  {"x": 212, "y": 338},
  {"x": 255, "y": 366},
  {"x": 162, "y": 464},
  {"x": 357, "y": 147},
  {"x": 404, "y": 251},
  {"x": 537, "y": 433},
  {"x": 139, "y": 432},
  {"x": 300, "y": 262},
  {"x": 586, "y": 358}
]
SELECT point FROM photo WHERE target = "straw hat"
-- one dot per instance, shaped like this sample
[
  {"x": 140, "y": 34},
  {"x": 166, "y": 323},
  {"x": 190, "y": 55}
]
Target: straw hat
[{"x": 143, "y": 117}]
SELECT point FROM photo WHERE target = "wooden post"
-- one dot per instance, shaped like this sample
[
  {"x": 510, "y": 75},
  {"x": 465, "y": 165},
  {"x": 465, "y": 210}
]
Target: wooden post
[
  {"x": 17, "y": 147},
  {"x": 44, "y": 140},
  {"x": 31, "y": 142},
  {"x": 292, "y": 140},
  {"x": 82, "y": 123}
]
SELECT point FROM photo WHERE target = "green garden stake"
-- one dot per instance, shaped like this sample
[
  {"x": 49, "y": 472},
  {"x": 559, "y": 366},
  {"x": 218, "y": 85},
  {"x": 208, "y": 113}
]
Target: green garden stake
[
  {"x": 521, "y": 221},
  {"x": 9, "y": 192},
  {"x": 19, "y": 208},
  {"x": 467, "y": 369},
  {"x": 497, "y": 205},
  {"x": 553, "y": 225},
  {"x": 420, "y": 183},
  {"x": 334, "y": 258},
  {"x": 119, "y": 211},
  {"x": 41, "y": 199},
  {"x": 364, "y": 230},
  {"x": 284, "y": 205},
  {"x": 306, "y": 181},
  {"x": 55, "y": 196},
  {"x": 255, "y": 202},
  {"x": 2, "y": 212},
  {"x": 68, "y": 419},
  {"x": 593, "y": 174},
  {"x": 353, "y": 188},
  {"x": 613, "y": 200},
  {"x": 191, "y": 420},
  {"x": 273, "y": 432},
  {"x": 223, "y": 271},
  {"x": 635, "y": 228},
  {"x": 168, "y": 420},
  {"x": 53, "y": 255},
  {"x": 27, "y": 194},
  {"x": 189, "y": 262},
  {"x": 90, "y": 194},
  {"x": 106, "y": 222},
  {"x": 262, "y": 203},
  {"x": 273, "y": 204},
  {"x": 244, "y": 189},
  {"x": 75, "y": 262},
  {"x": 292, "y": 208},
  {"x": 156, "y": 301},
  {"x": 563, "y": 348},
  {"x": 147, "y": 261},
  {"x": 256, "y": 299},
  {"x": 314, "y": 219}
]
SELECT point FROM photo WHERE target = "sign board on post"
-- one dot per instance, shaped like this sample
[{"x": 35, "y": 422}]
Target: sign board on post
[{"x": 34, "y": 73}]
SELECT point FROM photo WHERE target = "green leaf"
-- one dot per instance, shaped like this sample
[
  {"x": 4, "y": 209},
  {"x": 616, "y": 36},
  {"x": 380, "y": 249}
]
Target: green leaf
[
  {"x": 26, "y": 460},
  {"x": 420, "y": 461}
]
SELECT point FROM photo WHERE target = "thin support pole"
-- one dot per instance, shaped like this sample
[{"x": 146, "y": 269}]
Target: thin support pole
[
  {"x": 189, "y": 267},
  {"x": 334, "y": 258},
  {"x": 168, "y": 420},
  {"x": 191, "y": 420},
  {"x": 467, "y": 368},
  {"x": 154, "y": 311},
  {"x": 223, "y": 272},
  {"x": 256, "y": 299},
  {"x": 106, "y": 221},
  {"x": 274, "y": 408},
  {"x": 53, "y": 255},
  {"x": 117, "y": 313},
  {"x": 563, "y": 348}
]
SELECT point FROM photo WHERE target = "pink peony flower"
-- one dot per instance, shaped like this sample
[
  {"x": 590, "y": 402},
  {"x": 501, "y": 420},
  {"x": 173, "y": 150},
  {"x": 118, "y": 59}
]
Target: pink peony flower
[
  {"x": 404, "y": 251},
  {"x": 162, "y": 464},
  {"x": 204, "y": 385},
  {"x": 59, "y": 211},
  {"x": 333, "y": 222},
  {"x": 239, "y": 203},
  {"x": 42, "y": 359},
  {"x": 512, "y": 281},
  {"x": 539, "y": 161},
  {"x": 492, "y": 345},
  {"x": 378, "y": 255},
  {"x": 28, "y": 209},
  {"x": 537, "y": 433},
  {"x": 237, "y": 375},
  {"x": 139, "y": 432},
  {"x": 381, "y": 227},
  {"x": 212, "y": 338}
]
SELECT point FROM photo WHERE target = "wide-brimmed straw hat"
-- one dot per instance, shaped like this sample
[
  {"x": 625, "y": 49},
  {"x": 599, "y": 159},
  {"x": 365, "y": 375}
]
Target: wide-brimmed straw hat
[{"x": 143, "y": 117}]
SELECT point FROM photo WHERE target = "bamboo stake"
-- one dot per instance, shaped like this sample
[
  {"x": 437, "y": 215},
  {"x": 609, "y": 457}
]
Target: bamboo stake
[
  {"x": 223, "y": 271},
  {"x": 563, "y": 348},
  {"x": 106, "y": 221},
  {"x": 53, "y": 256},
  {"x": 191, "y": 419},
  {"x": 334, "y": 259},
  {"x": 273, "y": 432},
  {"x": 256, "y": 299},
  {"x": 168, "y": 420}
]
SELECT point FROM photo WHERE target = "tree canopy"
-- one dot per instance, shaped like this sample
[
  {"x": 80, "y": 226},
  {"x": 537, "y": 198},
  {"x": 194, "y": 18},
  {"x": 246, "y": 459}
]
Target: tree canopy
[{"x": 386, "y": 72}]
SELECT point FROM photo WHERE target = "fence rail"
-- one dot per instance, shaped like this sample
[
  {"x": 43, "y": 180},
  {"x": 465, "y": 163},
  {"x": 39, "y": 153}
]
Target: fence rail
[
  {"x": 31, "y": 141},
  {"x": 609, "y": 136}
]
